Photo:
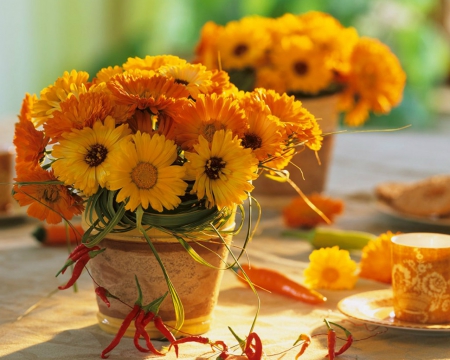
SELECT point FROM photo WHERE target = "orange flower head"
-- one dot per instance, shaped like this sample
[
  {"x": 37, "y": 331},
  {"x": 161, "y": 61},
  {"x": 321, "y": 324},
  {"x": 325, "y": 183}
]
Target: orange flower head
[
  {"x": 152, "y": 62},
  {"x": 371, "y": 84},
  {"x": 376, "y": 262},
  {"x": 299, "y": 214},
  {"x": 161, "y": 95},
  {"x": 77, "y": 113},
  {"x": 207, "y": 115},
  {"x": 69, "y": 84},
  {"x": 47, "y": 199},
  {"x": 30, "y": 143}
]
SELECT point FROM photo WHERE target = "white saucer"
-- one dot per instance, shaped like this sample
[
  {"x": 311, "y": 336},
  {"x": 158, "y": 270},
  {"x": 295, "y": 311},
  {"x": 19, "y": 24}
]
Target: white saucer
[{"x": 375, "y": 307}]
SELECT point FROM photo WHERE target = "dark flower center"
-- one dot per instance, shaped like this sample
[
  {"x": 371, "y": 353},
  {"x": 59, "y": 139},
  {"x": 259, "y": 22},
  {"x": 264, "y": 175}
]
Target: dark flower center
[
  {"x": 96, "y": 155},
  {"x": 213, "y": 167},
  {"x": 50, "y": 194},
  {"x": 251, "y": 141},
  {"x": 240, "y": 49},
  {"x": 301, "y": 68},
  {"x": 183, "y": 82}
]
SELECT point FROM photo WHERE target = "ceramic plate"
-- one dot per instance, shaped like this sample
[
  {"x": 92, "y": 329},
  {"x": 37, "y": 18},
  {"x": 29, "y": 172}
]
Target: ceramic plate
[
  {"x": 375, "y": 307},
  {"x": 389, "y": 210}
]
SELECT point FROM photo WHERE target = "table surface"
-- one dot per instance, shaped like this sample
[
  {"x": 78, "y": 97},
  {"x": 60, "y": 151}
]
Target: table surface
[{"x": 62, "y": 324}]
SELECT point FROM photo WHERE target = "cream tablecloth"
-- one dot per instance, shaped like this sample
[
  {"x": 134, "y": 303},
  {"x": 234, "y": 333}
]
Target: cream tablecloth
[{"x": 63, "y": 324}]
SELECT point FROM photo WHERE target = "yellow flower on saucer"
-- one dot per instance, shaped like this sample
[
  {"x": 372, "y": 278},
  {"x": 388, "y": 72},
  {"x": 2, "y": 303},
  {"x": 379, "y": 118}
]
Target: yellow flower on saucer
[
  {"x": 331, "y": 268},
  {"x": 142, "y": 170},
  {"x": 223, "y": 170},
  {"x": 376, "y": 262},
  {"x": 82, "y": 156}
]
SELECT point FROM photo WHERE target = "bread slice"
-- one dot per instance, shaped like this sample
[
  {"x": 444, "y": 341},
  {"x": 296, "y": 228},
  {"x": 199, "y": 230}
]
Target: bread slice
[{"x": 429, "y": 197}]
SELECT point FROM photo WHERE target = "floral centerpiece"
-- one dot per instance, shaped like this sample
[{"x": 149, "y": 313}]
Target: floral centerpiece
[
  {"x": 155, "y": 144},
  {"x": 307, "y": 55},
  {"x": 313, "y": 57}
]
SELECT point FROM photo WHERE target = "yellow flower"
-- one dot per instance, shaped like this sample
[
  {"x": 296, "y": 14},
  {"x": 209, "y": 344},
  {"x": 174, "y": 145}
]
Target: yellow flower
[
  {"x": 331, "y": 268},
  {"x": 304, "y": 68},
  {"x": 142, "y": 170},
  {"x": 243, "y": 43},
  {"x": 376, "y": 262},
  {"x": 223, "y": 170},
  {"x": 152, "y": 62},
  {"x": 82, "y": 156},
  {"x": 207, "y": 115},
  {"x": 194, "y": 76},
  {"x": 105, "y": 74},
  {"x": 51, "y": 97},
  {"x": 376, "y": 85}
]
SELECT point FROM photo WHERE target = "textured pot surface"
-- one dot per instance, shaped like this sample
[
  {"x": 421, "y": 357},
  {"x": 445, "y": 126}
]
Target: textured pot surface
[{"x": 197, "y": 285}]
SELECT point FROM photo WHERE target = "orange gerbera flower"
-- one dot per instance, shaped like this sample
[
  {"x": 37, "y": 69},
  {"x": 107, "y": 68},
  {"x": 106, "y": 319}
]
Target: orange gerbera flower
[
  {"x": 77, "y": 113},
  {"x": 69, "y": 84},
  {"x": 195, "y": 77},
  {"x": 30, "y": 143},
  {"x": 221, "y": 83},
  {"x": 161, "y": 95},
  {"x": 47, "y": 201},
  {"x": 300, "y": 214},
  {"x": 207, "y": 115},
  {"x": 264, "y": 134},
  {"x": 206, "y": 49},
  {"x": 371, "y": 85},
  {"x": 152, "y": 62},
  {"x": 300, "y": 123},
  {"x": 376, "y": 262},
  {"x": 105, "y": 74}
]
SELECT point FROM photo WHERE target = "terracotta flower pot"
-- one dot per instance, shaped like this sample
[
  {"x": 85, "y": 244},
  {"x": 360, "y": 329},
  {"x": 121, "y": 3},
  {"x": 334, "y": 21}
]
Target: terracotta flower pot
[
  {"x": 314, "y": 176},
  {"x": 197, "y": 285}
]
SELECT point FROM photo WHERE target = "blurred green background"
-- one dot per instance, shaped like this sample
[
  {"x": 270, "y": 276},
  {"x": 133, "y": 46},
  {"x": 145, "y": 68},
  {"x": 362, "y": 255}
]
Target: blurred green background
[{"x": 40, "y": 39}]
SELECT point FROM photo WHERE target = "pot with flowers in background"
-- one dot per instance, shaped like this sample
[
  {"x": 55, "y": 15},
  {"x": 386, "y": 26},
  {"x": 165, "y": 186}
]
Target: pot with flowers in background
[
  {"x": 314, "y": 58},
  {"x": 158, "y": 156}
]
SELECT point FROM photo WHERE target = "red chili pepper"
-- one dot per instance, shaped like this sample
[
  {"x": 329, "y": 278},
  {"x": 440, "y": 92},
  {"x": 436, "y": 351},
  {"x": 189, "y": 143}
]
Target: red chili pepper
[
  {"x": 280, "y": 284},
  {"x": 79, "y": 266},
  {"x": 123, "y": 328},
  {"x": 253, "y": 347},
  {"x": 166, "y": 332},
  {"x": 306, "y": 342},
  {"x": 193, "y": 338},
  {"x": 103, "y": 294},
  {"x": 331, "y": 337},
  {"x": 140, "y": 330},
  {"x": 76, "y": 254},
  {"x": 349, "y": 341}
]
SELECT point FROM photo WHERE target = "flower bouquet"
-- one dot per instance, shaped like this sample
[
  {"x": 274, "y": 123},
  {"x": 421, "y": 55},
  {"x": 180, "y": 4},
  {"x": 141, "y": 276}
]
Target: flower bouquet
[
  {"x": 156, "y": 152},
  {"x": 329, "y": 67}
]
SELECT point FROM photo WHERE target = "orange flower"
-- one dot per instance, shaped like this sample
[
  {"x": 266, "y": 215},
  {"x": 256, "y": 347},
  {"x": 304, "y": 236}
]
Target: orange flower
[
  {"x": 159, "y": 95},
  {"x": 77, "y": 113},
  {"x": 299, "y": 214},
  {"x": 371, "y": 85},
  {"x": 207, "y": 115},
  {"x": 47, "y": 199},
  {"x": 300, "y": 123},
  {"x": 30, "y": 143},
  {"x": 69, "y": 84},
  {"x": 376, "y": 262}
]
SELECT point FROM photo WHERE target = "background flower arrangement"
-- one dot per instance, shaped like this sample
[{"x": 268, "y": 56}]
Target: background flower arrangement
[
  {"x": 155, "y": 143},
  {"x": 307, "y": 55}
]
